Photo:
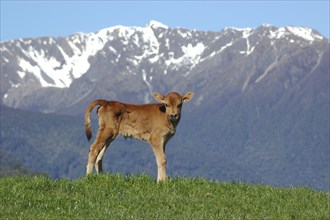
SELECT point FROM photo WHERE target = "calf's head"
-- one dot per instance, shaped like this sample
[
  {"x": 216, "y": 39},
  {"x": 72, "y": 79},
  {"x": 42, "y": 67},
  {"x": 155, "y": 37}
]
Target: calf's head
[{"x": 173, "y": 103}]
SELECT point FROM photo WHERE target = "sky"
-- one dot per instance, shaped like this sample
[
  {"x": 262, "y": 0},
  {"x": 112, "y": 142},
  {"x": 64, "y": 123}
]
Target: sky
[{"x": 25, "y": 19}]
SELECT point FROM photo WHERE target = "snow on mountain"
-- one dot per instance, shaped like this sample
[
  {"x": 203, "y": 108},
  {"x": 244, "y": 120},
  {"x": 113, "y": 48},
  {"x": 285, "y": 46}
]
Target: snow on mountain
[
  {"x": 304, "y": 33},
  {"x": 157, "y": 24},
  {"x": 60, "y": 70},
  {"x": 49, "y": 62},
  {"x": 191, "y": 55}
]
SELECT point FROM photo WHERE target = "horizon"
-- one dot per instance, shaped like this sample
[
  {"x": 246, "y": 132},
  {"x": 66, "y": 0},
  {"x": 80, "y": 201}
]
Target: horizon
[
  {"x": 33, "y": 19},
  {"x": 159, "y": 22}
]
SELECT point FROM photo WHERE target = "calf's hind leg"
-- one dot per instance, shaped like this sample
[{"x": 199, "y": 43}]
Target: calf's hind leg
[
  {"x": 98, "y": 163},
  {"x": 98, "y": 148}
]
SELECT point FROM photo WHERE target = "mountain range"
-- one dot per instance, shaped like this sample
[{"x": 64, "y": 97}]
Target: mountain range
[{"x": 260, "y": 111}]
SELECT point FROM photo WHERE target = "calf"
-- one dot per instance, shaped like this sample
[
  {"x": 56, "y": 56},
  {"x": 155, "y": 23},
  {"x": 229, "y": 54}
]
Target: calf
[{"x": 153, "y": 123}]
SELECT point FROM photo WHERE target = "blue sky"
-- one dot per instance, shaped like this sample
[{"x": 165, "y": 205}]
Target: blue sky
[{"x": 21, "y": 19}]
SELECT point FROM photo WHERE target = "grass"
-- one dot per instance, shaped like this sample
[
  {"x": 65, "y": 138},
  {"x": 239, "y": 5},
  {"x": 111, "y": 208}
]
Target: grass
[{"x": 139, "y": 197}]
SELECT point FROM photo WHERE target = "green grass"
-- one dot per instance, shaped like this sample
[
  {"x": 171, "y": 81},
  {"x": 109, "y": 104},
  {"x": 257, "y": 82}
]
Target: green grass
[{"x": 139, "y": 197}]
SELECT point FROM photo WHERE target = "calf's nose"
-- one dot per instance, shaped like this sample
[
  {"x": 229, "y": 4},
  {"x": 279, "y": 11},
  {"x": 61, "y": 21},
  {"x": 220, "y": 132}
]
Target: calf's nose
[{"x": 174, "y": 116}]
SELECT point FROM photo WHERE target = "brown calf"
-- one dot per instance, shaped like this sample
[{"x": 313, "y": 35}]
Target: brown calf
[{"x": 154, "y": 123}]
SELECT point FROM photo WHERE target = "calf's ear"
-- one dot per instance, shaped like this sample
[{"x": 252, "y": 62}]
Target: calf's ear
[
  {"x": 186, "y": 97},
  {"x": 159, "y": 97}
]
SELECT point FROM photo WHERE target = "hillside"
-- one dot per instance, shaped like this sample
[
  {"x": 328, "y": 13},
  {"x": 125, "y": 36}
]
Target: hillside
[
  {"x": 139, "y": 197},
  {"x": 56, "y": 145},
  {"x": 39, "y": 142}
]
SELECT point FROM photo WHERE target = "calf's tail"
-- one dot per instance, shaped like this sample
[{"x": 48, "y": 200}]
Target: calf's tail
[{"x": 88, "y": 128}]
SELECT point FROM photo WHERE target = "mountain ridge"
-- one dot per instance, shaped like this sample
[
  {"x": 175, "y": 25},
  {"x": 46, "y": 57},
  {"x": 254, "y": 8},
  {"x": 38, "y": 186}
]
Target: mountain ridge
[{"x": 129, "y": 51}]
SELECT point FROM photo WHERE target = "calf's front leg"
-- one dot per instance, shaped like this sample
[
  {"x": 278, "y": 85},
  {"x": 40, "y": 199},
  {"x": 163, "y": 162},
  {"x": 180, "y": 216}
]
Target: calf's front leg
[{"x": 158, "y": 149}]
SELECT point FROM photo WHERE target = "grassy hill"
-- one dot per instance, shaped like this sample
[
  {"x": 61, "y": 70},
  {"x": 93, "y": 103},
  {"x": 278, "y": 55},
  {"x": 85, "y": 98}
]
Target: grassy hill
[{"x": 139, "y": 197}]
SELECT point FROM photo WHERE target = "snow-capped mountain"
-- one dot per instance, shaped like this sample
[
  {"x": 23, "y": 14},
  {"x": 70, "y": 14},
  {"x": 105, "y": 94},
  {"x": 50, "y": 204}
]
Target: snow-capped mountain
[
  {"x": 141, "y": 59},
  {"x": 260, "y": 111}
]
